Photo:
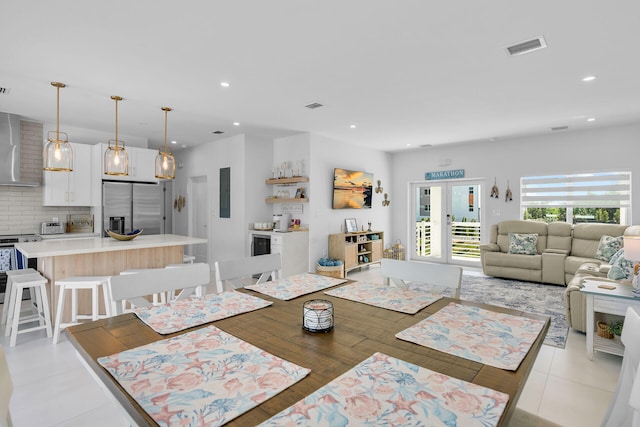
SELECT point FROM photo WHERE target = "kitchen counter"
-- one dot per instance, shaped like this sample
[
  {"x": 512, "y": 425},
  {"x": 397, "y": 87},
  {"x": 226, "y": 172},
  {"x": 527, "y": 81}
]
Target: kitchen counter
[
  {"x": 75, "y": 246},
  {"x": 101, "y": 256},
  {"x": 68, "y": 236}
]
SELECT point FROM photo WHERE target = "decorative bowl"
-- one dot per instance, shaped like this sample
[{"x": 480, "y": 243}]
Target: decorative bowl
[{"x": 123, "y": 237}]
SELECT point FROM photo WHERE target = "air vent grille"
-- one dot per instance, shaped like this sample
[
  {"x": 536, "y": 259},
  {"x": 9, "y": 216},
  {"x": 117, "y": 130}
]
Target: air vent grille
[
  {"x": 527, "y": 46},
  {"x": 4, "y": 90},
  {"x": 314, "y": 105},
  {"x": 560, "y": 128},
  {"x": 217, "y": 132}
]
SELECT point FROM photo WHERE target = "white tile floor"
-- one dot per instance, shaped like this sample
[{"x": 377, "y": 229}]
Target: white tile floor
[{"x": 52, "y": 387}]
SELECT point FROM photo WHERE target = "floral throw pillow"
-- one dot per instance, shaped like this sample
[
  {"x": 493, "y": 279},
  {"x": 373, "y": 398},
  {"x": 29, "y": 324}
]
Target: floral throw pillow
[
  {"x": 607, "y": 247},
  {"x": 621, "y": 268},
  {"x": 524, "y": 244}
]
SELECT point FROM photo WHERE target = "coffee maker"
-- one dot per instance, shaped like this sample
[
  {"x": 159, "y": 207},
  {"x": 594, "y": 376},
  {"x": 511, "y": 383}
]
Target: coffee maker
[{"x": 281, "y": 222}]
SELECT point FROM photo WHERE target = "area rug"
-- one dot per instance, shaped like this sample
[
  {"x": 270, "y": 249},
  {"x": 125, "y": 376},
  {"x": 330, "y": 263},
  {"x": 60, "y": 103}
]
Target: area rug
[{"x": 526, "y": 296}]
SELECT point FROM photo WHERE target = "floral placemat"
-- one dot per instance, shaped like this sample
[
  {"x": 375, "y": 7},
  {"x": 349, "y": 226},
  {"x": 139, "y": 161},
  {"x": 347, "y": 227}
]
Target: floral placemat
[
  {"x": 387, "y": 391},
  {"x": 294, "y": 286},
  {"x": 183, "y": 314},
  {"x": 204, "y": 377},
  {"x": 496, "y": 339},
  {"x": 389, "y": 297}
]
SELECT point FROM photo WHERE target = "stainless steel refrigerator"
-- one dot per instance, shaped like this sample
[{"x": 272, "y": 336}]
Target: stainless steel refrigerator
[{"x": 129, "y": 206}]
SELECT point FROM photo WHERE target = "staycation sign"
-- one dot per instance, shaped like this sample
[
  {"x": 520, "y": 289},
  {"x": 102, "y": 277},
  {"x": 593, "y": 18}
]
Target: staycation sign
[{"x": 450, "y": 174}]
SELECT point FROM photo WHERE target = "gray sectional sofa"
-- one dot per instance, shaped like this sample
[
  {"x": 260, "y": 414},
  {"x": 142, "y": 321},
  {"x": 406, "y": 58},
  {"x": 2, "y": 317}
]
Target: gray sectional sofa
[{"x": 564, "y": 255}]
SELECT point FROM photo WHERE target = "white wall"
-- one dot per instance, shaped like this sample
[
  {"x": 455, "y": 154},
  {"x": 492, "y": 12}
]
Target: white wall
[
  {"x": 250, "y": 161},
  {"x": 508, "y": 160},
  {"x": 325, "y": 155},
  {"x": 92, "y": 136}
]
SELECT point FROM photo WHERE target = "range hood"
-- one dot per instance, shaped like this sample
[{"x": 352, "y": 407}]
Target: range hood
[{"x": 10, "y": 152}]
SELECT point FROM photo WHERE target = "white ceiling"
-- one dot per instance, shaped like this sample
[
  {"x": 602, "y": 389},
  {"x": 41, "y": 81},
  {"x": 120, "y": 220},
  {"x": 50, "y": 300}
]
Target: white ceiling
[{"x": 404, "y": 72}]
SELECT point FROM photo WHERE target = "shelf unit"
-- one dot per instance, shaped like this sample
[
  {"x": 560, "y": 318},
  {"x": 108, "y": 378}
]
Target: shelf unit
[
  {"x": 286, "y": 182},
  {"x": 354, "y": 248}
]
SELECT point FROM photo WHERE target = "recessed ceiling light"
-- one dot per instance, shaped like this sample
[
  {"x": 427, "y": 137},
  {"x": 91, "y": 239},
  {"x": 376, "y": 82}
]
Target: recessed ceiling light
[
  {"x": 353, "y": 126},
  {"x": 174, "y": 142},
  {"x": 408, "y": 145},
  {"x": 236, "y": 123},
  {"x": 588, "y": 78},
  {"x": 224, "y": 84},
  {"x": 591, "y": 119}
]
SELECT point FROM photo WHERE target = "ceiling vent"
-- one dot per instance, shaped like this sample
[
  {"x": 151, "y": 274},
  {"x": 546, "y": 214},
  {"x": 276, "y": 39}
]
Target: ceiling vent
[
  {"x": 560, "y": 128},
  {"x": 4, "y": 91},
  {"x": 217, "y": 132},
  {"x": 314, "y": 105},
  {"x": 527, "y": 46}
]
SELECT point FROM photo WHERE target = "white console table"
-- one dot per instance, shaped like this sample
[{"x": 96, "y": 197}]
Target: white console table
[{"x": 610, "y": 301}]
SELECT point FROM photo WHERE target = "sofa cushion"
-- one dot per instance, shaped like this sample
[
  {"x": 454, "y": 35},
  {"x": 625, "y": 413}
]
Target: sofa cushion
[
  {"x": 621, "y": 268},
  {"x": 586, "y": 237},
  {"x": 608, "y": 246},
  {"x": 499, "y": 259},
  {"x": 524, "y": 244}
]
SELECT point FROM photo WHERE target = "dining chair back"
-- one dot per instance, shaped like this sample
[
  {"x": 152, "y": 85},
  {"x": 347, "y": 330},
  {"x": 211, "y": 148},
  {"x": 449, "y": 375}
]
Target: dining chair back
[
  {"x": 6, "y": 390},
  {"x": 238, "y": 272},
  {"x": 135, "y": 287},
  {"x": 431, "y": 277},
  {"x": 624, "y": 409}
]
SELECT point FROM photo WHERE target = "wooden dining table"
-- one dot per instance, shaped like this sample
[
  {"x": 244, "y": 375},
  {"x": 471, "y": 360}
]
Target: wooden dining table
[{"x": 360, "y": 330}]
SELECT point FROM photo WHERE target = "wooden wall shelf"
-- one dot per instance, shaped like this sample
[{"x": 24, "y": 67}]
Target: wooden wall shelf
[
  {"x": 287, "y": 181},
  {"x": 286, "y": 200}
]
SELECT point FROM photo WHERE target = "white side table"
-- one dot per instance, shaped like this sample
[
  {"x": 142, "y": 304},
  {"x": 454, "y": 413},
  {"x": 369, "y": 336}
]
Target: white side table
[{"x": 610, "y": 301}]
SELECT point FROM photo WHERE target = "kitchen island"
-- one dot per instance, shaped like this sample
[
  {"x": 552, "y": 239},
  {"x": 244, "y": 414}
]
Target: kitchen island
[{"x": 97, "y": 256}]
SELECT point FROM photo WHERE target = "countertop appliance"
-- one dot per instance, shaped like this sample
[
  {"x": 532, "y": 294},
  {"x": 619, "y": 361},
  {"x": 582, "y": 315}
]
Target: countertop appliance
[
  {"x": 281, "y": 222},
  {"x": 129, "y": 206},
  {"x": 52, "y": 227},
  {"x": 9, "y": 259}
]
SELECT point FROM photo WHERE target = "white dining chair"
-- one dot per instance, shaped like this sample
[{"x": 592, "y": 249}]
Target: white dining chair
[
  {"x": 624, "y": 409},
  {"x": 135, "y": 287},
  {"x": 239, "y": 272},
  {"x": 6, "y": 390},
  {"x": 431, "y": 277}
]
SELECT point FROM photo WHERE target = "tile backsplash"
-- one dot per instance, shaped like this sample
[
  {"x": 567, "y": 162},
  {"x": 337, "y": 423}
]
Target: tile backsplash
[{"x": 21, "y": 210}]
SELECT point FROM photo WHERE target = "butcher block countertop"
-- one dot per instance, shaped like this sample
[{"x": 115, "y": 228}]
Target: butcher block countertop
[{"x": 55, "y": 247}]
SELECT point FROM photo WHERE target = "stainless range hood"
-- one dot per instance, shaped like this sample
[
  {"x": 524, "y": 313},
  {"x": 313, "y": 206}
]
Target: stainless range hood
[{"x": 10, "y": 152}]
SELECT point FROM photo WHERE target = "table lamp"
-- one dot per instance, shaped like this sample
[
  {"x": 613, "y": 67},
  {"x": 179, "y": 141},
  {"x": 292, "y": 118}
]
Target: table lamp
[{"x": 632, "y": 253}]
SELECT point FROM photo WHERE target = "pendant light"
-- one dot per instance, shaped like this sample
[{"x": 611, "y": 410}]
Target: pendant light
[
  {"x": 116, "y": 159},
  {"x": 57, "y": 154},
  {"x": 165, "y": 162}
]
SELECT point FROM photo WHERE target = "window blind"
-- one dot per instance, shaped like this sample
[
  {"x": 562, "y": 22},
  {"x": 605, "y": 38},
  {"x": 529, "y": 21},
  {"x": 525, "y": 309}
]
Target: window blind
[{"x": 592, "y": 190}]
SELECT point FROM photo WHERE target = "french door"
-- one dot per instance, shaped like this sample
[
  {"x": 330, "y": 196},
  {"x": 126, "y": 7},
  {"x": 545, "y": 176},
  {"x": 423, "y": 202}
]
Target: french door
[{"x": 445, "y": 221}]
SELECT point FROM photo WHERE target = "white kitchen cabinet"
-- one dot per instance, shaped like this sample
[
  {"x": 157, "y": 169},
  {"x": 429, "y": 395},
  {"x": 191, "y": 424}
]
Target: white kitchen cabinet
[
  {"x": 141, "y": 165},
  {"x": 70, "y": 188},
  {"x": 293, "y": 248}
]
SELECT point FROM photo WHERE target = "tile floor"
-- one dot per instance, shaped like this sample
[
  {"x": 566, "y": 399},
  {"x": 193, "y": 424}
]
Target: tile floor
[{"x": 52, "y": 387}]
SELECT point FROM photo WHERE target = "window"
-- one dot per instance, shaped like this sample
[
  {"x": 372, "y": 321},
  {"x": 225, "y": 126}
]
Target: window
[{"x": 585, "y": 197}]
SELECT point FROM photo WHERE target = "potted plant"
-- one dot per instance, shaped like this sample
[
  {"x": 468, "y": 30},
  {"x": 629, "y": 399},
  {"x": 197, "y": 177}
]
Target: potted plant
[{"x": 616, "y": 328}]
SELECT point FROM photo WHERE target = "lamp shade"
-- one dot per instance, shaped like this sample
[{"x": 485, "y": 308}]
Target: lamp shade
[
  {"x": 57, "y": 154},
  {"x": 632, "y": 248},
  {"x": 116, "y": 159},
  {"x": 165, "y": 162}
]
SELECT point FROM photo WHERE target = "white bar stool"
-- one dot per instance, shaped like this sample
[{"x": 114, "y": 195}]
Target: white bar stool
[
  {"x": 80, "y": 282},
  {"x": 38, "y": 285},
  {"x": 10, "y": 274}
]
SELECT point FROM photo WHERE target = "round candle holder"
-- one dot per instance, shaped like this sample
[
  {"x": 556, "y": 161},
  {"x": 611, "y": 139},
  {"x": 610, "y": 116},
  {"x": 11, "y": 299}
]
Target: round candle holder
[{"x": 317, "y": 315}]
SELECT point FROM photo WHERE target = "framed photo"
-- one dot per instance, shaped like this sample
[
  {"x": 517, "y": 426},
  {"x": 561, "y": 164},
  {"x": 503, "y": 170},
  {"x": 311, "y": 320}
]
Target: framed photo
[
  {"x": 299, "y": 194},
  {"x": 351, "y": 225}
]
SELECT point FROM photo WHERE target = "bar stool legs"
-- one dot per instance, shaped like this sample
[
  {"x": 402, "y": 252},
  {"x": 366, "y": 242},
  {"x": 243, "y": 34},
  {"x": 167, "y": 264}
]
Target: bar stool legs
[
  {"x": 73, "y": 284},
  {"x": 39, "y": 286}
]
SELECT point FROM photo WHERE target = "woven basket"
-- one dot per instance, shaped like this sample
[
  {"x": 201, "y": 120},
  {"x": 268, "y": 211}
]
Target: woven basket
[
  {"x": 332, "y": 271},
  {"x": 603, "y": 330}
]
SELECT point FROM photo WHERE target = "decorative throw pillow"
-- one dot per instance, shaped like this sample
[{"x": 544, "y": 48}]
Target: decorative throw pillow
[
  {"x": 621, "y": 268},
  {"x": 524, "y": 244},
  {"x": 616, "y": 256},
  {"x": 608, "y": 246}
]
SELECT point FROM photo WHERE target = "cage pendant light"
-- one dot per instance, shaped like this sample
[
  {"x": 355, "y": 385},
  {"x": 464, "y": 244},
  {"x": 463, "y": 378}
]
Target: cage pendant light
[
  {"x": 57, "y": 154},
  {"x": 116, "y": 159},
  {"x": 165, "y": 162}
]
